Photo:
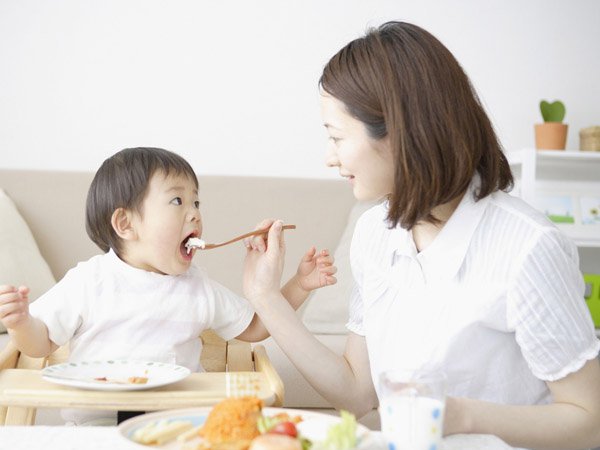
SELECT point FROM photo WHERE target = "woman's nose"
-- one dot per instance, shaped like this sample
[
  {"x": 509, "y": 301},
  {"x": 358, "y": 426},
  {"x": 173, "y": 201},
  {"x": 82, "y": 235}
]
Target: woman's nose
[{"x": 331, "y": 159}]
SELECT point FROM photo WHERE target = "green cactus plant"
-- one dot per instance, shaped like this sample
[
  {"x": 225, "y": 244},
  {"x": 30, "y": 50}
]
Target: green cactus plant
[{"x": 553, "y": 112}]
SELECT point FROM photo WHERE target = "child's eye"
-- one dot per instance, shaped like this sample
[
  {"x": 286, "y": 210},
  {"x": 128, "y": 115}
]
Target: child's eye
[
  {"x": 333, "y": 139},
  {"x": 197, "y": 204},
  {"x": 177, "y": 201}
]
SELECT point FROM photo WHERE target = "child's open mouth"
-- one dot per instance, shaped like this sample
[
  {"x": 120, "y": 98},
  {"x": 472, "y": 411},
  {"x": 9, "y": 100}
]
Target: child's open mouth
[{"x": 189, "y": 244}]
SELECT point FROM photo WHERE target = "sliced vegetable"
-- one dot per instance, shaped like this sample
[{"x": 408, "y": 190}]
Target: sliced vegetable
[
  {"x": 287, "y": 428},
  {"x": 341, "y": 436}
]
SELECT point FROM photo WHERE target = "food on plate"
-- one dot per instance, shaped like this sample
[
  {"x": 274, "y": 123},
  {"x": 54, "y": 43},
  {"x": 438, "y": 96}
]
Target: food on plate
[
  {"x": 275, "y": 442},
  {"x": 130, "y": 380},
  {"x": 138, "y": 380},
  {"x": 189, "y": 434},
  {"x": 239, "y": 424},
  {"x": 341, "y": 436},
  {"x": 233, "y": 419},
  {"x": 285, "y": 428},
  {"x": 159, "y": 432}
]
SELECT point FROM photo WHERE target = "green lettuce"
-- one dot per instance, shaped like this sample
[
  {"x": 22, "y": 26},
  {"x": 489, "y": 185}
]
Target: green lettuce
[{"x": 341, "y": 436}]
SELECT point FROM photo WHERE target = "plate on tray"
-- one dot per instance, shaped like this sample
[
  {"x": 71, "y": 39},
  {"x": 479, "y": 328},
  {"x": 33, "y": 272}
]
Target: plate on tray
[
  {"x": 115, "y": 375},
  {"x": 314, "y": 426}
]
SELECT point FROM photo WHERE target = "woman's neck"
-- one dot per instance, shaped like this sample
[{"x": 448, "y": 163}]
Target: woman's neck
[{"x": 424, "y": 233}]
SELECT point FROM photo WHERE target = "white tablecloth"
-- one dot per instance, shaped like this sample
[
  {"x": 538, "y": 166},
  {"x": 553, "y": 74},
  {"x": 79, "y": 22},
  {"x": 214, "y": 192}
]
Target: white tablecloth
[{"x": 107, "y": 438}]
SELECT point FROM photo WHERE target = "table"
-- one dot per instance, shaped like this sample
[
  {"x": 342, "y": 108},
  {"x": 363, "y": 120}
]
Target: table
[
  {"x": 23, "y": 388},
  {"x": 107, "y": 438}
]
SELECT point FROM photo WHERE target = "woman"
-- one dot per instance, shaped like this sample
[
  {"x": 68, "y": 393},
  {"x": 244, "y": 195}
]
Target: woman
[{"x": 450, "y": 271}]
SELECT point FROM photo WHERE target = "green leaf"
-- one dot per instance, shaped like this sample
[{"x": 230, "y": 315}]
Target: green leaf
[
  {"x": 341, "y": 436},
  {"x": 552, "y": 112}
]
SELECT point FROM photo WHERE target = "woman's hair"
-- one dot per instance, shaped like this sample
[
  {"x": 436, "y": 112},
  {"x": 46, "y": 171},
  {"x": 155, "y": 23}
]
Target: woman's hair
[
  {"x": 403, "y": 84},
  {"x": 121, "y": 182}
]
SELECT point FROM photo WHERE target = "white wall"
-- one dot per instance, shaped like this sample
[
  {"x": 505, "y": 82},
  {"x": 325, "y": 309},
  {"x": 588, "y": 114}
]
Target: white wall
[{"x": 232, "y": 85}]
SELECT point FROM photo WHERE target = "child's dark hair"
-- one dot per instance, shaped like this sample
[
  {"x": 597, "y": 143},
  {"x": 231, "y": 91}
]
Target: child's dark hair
[
  {"x": 404, "y": 85},
  {"x": 121, "y": 182}
]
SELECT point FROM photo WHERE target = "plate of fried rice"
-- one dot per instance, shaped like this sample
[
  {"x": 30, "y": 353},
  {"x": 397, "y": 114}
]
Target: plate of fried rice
[{"x": 237, "y": 424}]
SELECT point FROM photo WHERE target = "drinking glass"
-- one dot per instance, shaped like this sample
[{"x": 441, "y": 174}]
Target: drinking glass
[{"x": 412, "y": 408}]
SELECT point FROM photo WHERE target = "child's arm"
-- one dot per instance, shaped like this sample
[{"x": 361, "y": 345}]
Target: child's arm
[
  {"x": 315, "y": 270},
  {"x": 29, "y": 334}
]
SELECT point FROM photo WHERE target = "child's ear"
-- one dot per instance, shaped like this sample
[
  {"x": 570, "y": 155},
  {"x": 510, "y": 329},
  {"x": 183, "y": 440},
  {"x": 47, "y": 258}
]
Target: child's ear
[{"x": 122, "y": 224}]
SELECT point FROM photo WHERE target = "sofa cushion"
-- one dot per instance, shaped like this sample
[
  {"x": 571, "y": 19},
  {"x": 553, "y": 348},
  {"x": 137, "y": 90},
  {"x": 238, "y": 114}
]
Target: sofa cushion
[
  {"x": 20, "y": 260},
  {"x": 326, "y": 311}
]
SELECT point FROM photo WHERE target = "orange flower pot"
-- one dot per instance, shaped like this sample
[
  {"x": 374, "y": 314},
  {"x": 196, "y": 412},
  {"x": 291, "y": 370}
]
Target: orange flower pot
[{"x": 551, "y": 136}]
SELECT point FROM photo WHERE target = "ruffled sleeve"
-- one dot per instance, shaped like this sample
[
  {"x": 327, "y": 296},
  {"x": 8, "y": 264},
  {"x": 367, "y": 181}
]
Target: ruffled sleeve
[{"x": 547, "y": 311}]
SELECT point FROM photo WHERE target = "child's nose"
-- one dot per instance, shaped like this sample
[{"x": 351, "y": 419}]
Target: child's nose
[{"x": 193, "y": 214}]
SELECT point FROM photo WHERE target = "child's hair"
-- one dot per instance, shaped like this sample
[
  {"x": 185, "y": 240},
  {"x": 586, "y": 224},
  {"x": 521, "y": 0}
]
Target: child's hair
[
  {"x": 121, "y": 182},
  {"x": 403, "y": 84}
]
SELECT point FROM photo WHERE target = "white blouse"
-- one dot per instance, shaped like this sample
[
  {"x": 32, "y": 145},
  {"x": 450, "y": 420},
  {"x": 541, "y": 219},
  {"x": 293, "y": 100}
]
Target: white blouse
[{"x": 495, "y": 301}]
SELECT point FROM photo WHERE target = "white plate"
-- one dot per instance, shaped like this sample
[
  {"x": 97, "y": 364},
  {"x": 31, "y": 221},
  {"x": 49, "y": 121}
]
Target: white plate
[
  {"x": 83, "y": 374},
  {"x": 314, "y": 425}
]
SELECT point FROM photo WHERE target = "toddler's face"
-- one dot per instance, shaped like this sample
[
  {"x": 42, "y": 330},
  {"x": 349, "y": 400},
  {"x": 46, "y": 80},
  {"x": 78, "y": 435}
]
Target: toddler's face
[{"x": 170, "y": 214}]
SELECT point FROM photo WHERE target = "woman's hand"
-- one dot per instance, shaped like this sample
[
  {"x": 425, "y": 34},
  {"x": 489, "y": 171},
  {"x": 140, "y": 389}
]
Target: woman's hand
[
  {"x": 316, "y": 270},
  {"x": 264, "y": 262},
  {"x": 14, "y": 305}
]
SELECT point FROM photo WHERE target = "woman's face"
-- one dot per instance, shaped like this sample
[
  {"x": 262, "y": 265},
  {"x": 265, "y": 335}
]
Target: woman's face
[{"x": 365, "y": 162}]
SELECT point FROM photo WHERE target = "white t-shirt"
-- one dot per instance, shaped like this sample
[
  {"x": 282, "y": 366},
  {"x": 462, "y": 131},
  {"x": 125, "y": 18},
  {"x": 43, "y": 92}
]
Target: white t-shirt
[
  {"x": 496, "y": 300},
  {"x": 108, "y": 309}
]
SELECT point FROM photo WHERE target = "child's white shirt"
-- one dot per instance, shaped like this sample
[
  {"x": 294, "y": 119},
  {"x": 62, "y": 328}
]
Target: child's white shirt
[
  {"x": 495, "y": 301},
  {"x": 108, "y": 309}
]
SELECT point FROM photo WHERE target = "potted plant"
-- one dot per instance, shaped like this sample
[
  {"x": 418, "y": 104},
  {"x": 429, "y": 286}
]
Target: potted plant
[{"x": 552, "y": 134}]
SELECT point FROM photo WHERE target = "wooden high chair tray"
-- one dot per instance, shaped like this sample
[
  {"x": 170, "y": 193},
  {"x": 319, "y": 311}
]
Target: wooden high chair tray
[{"x": 27, "y": 388}]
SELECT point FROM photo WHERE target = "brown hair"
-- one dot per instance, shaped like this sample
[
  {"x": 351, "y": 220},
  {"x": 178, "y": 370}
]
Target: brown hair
[
  {"x": 401, "y": 82},
  {"x": 121, "y": 182}
]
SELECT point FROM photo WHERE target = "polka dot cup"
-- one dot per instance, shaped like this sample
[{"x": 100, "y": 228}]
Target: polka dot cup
[{"x": 412, "y": 409}]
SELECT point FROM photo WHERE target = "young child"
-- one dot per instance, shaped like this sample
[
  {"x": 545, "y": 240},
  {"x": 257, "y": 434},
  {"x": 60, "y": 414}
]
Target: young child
[{"x": 143, "y": 298}]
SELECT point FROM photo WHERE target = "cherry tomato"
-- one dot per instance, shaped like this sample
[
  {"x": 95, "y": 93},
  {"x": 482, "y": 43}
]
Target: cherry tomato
[{"x": 287, "y": 428}]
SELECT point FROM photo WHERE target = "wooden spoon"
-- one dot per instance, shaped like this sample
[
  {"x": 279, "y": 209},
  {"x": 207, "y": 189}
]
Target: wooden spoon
[{"x": 200, "y": 244}]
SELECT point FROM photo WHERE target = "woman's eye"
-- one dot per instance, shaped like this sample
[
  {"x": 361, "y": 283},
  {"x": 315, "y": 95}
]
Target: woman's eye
[
  {"x": 335, "y": 140},
  {"x": 197, "y": 204},
  {"x": 177, "y": 201}
]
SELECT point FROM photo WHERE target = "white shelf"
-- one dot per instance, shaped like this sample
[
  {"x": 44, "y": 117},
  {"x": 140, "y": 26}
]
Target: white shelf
[
  {"x": 571, "y": 173},
  {"x": 575, "y": 155}
]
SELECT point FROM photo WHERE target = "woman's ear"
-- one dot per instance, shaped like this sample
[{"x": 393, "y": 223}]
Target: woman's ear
[{"x": 122, "y": 224}]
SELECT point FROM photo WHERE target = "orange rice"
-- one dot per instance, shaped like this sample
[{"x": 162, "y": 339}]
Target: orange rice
[{"x": 233, "y": 419}]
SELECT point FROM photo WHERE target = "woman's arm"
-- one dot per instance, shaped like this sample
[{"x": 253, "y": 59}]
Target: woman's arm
[
  {"x": 333, "y": 376},
  {"x": 572, "y": 421}
]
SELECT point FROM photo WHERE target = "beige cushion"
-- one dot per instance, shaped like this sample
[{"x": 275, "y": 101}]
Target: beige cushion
[
  {"x": 20, "y": 260},
  {"x": 326, "y": 311}
]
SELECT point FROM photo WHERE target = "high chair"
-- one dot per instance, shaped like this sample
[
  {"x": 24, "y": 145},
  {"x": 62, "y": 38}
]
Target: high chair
[{"x": 223, "y": 361}]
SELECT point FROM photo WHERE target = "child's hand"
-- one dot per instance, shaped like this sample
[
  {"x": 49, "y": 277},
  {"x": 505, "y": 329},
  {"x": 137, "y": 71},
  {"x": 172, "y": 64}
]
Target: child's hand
[
  {"x": 316, "y": 270},
  {"x": 14, "y": 305}
]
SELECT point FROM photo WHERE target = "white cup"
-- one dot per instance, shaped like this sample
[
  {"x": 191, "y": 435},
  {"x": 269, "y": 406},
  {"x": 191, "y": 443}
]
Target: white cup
[{"x": 412, "y": 408}]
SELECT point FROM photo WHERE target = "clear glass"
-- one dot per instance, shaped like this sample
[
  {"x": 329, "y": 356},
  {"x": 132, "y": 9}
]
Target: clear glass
[{"x": 412, "y": 407}]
